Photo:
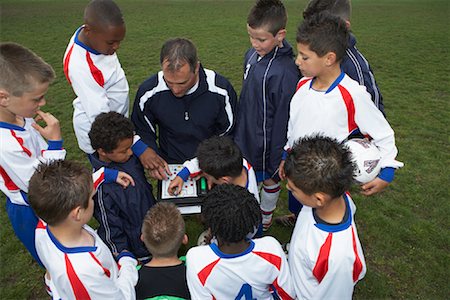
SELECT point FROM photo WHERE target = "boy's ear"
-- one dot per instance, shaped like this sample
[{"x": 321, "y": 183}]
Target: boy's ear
[
  {"x": 330, "y": 59},
  {"x": 142, "y": 237},
  {"x": 281, "y": 35},
  {"x": 101, "y": 152},
  {"x": 321, "y": 198},
  {"x": 185, "y": 240},
  {"x": 75, "y": 214},
  {"x": 347, "y": 22},
  {"x": 4, "y": 98}
]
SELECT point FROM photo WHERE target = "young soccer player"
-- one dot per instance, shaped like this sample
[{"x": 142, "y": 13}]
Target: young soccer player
[
  {"x": 325, "y": 256},
  {"x": 24, "y": 80},
  {"x": 119, "y": 211},
  {"x": 327, "y": 101},
  {"x": 93, "y": 70},
  {"x": 354, "y": 64},
  {"x": 270, "y": 77},
  {"x": 163, "y": 232},
  {"x": 235, "y": 267},
  {"x": 79, "y": 263}
]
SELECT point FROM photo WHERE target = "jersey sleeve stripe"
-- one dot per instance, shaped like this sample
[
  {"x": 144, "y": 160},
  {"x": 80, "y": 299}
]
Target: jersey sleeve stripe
[
  {"x": 78, "y": 288},
  {"x": 96, "y": 73},
  {"x": 206, "y": 271},
  {"x": 66, "y": 64},
  {"x": 357, "y": 265},
  {"x": 282, "y": 293},
  {"x": 10, "y": 185},
  {"x": 271, "y": 258},
  {"x": 321, "y": 267},
  {"x": 20, "y": 141},
  {"x": 107, "y": 272},
  {"x": 348, "y": 100}
]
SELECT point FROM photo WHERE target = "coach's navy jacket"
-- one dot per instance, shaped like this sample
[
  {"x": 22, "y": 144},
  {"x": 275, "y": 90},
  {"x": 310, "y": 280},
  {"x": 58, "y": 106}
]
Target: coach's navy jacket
[
  {"x": 120, "y": 211},
  {"x": 186, "y": 121},
  {"x": 355, "y": 65},
  {"x": 268, "y": 86}
]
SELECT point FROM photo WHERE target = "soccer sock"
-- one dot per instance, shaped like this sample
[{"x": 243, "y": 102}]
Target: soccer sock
[{"x": 269, "y": 198}]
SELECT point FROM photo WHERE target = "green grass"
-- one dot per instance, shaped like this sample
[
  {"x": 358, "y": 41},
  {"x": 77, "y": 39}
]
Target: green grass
[{"x": 404, "y": 231}]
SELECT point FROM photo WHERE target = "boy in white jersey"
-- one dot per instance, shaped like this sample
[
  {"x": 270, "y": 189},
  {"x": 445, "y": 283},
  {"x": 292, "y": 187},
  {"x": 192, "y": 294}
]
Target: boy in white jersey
[
  {"x": 325, "y": 256},
  {"x": 24, "y": 81},
  {"x": 329, "y": 102},
  {"x": 235, "y": 267},
  {"x": 80, "y": 265},
  {"x": 93, "y": 70}
]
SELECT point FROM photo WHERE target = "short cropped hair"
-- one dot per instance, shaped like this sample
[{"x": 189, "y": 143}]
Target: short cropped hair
[
  {"x": 340, "y": 8},
  {"x": 219, "y": 156},
  {"x": 231, "y": 212},
  {"x": 58, "y": 187},
  {"x": 178, "y": 52},
  {"x": 270, "y": 13},
  {"x": 163, "y": 229},
  {"x": 109, "y": 129},
  {"x": 103, "y": 13},
  {"x": 21, "y": 69},
  {"x": 324, "y": 33},
  {"x": 320, "y": 164}
]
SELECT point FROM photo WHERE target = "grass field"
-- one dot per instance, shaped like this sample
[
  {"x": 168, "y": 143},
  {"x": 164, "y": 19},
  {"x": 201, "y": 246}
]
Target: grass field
[{"x": 404, "y": 231}]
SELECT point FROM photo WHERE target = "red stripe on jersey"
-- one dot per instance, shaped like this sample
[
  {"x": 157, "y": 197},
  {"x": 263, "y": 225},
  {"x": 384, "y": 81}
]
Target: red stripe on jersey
[
  {"x": 193, "y": 175},
  {"x": 348, "y": 100},
  {"x": 357, "y": 265},
  {"x": 10, "y": 185},
  {"x": 271, "y": 258},
  {"x": 321, "y": 267},
  {"x": 66, "y": 64},
  {"x": 107, "y": 272},
  {"x": 206, "y": 271},
  {"x": 99, "y": 180},
  {"x": 96, "y": 73},
  {"x": 301, "y": 83},
  {"x": 40, "y": 225},
  {"x": 280, "y": 291},
  {"x": 20, "y": 141},
  {"x": 78, "y": 288},
  {"x": 249, "y": 166}
]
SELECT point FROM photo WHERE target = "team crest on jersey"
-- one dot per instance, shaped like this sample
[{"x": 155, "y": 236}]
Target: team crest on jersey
[{"x": 369, "y": 165}]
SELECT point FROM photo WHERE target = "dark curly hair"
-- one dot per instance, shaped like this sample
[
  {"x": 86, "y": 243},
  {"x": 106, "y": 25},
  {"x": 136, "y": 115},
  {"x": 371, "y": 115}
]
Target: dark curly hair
[
  {"x": 231, "y": 212},
  {"x": 323, "y": 33},
  {"x": 219, "y": 156},
  {"x": 109, "y": 129},
  {"x": 320, "y": 164}
]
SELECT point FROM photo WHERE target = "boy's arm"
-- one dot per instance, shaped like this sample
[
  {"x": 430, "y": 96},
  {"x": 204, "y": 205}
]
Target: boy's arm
[
  {"x": 283, "y": 282},
  {"x": 226, "y": 120},
  {"x": 196, "y": 288},
  {"x": 281, "y": 90}
]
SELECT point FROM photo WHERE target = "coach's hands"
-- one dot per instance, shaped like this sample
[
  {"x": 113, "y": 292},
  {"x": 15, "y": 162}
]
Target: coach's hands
[
  {"x": 52, "y": 130},
  {"x": 158, "y": 167},
  {"x": 373, "y": 187}
]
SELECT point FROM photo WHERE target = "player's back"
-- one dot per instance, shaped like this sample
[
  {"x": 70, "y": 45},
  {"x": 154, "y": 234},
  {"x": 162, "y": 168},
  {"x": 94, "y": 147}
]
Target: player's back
[{"x": 253, "y": 273}]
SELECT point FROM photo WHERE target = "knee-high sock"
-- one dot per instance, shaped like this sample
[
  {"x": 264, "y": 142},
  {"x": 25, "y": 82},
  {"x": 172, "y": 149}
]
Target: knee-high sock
[{"x": 269, "y": 198}]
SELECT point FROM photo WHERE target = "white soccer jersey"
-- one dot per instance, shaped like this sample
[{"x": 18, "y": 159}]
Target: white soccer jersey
[
  {"x": 21, "y": 151},
  {"x": 85, "y": 272},
  {"x": 100, "y": 84},
  {"x": 252, "y": 274},
  {"x": 344, "y": 108},
  {"x": 326, "y": 261},
  {"x": 251, "y": 185}
]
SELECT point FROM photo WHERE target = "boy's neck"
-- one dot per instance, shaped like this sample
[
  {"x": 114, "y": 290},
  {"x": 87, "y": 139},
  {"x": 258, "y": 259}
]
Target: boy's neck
[
  {"x": 241, "y": 180},
  {"x": 333, "y": 211},
  {"x": 233, "y": 248},
  {"x": 324, "y": 80},
  {"x": 72, "y": 235},
  {"x": 163, "y": 261},
  {"x": 10, "y": 118}
]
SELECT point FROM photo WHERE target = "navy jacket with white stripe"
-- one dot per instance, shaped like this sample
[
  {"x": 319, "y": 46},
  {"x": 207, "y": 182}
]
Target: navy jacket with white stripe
[
  {"x": 182, "y": 123},
  {"x": 268, "y": 86}
]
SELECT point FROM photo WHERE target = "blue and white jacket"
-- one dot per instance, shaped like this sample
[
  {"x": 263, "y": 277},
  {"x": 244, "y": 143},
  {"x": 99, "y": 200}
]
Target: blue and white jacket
[
  {"x": 120, "y": 211},
  {"x": 268, "y": 86},
  {"x": 207, "y": 110},
  {"x": 355, "y": 65}
]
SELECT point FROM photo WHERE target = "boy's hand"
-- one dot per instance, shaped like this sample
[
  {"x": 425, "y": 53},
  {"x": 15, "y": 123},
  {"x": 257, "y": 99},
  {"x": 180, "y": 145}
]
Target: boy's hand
[
  {"x": 50, "y": 132},
  {"x": 158, "y": 167},
  {"x": 373, "y": 187},
  {"x": 281, "y": 170},
  {"x": 175, "y": 186},
  {"x": 124, "y": 179}
]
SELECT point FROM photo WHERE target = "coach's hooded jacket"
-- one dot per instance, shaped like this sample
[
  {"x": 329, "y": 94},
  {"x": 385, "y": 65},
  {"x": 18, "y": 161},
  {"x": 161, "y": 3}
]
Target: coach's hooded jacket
[
  {"x": 120, "y": 211},
  {"x": 206, "y": 110},
  {"x": 268, "y": 86}
]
